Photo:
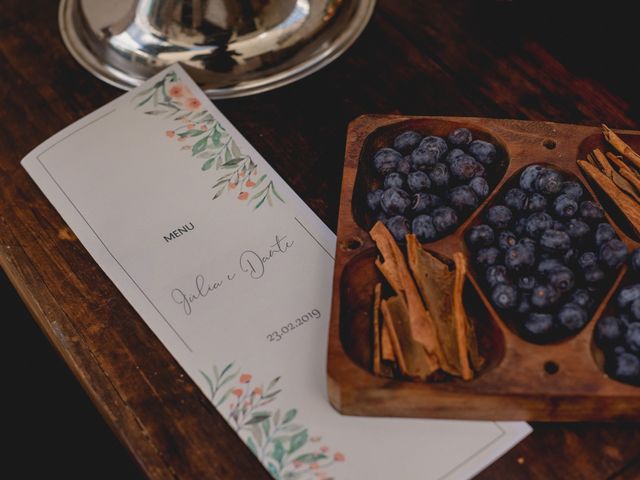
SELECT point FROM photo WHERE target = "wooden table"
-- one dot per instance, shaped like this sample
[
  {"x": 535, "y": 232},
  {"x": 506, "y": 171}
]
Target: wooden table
[{"x": 446, "y": 57}]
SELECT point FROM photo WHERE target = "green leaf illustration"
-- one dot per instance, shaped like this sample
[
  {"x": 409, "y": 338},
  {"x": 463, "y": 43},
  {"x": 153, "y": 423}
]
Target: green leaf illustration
[
  {"x": 258, "y": 417},
  {"x": 298, "y": 441},
  {"x": 278, "y": 452},
  {"x": 209, "y": 382},
  {"x": 266, "y": 426},
  {"x": 256, "y": 432},
  {"x": 273, "y": 470},
  {"x": 290, "y": 415},
  {"x": 207, "y": 165},
  {"x": 252, "y": 446},
  {"x": 310, "y": 457},
  {"x": 199, "y": 146}
]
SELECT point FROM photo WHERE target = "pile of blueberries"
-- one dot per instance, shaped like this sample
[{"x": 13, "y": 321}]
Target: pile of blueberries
[
  {"x": 430, "y": 185},
  {"x": 619, "y": 335},
  {"x": 545, "y": 253}
]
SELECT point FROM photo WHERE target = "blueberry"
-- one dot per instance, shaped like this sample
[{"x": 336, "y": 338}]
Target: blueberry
[
  {"x": 594, "y": 275},
  {"x": 627, "y": 295},
  {"x": 570, "y": 257},
  {"x": 613, "y": 253},
  {"x": 482, "y": 151},
  {"x": 439, "y": 175},
  {"x": 465, "y": 167},
  {"x": 404, "y": 166},
  {"x": 424, "y": 202},
  {"x": 445, "y": 219},
  {"x": 530, "y": 243},
  {"x": 558, "y": 225},
  {"x": 526, "y": 283},
  {"x": 488, "y": 256},
  {"x": 634, "y": 310},
  {"x": 463, "y": 199},
  {"x": 634, "y": 261},
  {"x": 399, "y": 227},
  {"x": 577, "y": 229},
  {"x": 538, "y": 223},
  {"x": 604, "y": 233},
  {"x": 386, "y": 160},
  {"x": 456, "y": 152},
  {"x": 587, "y": 260},
  {"x": 591, "y": 212},
  {"x": 428, "y": 152},
  {"x": 515, "y": 199},
  {"x": 479, "y": 236},
  {"x": 609, "y": 331},
  {"x": 626, "y": 367},
  {"x": 632, "y": 337},
  {"x": 480, "y": 187},
  {"x": 538, "y": 325},
  {"x": 373, "y": 200},
  {"x": 499, "y": 217},
  {"x": 573, "y": 189},
  {"x": 548, "y": 182},
  {"x": 565, "y": 206},
  {"x": 520, "y": 227},
  {"x": 418, "y": 181},
  {"x": 519, "y": 258},
  {"x": 562, "y": 279},
  {"x": 504, "y": 296},
  {"x": 572, "y": 317},
  {"x": 394, "y": 179},
  {"x": 545, "y": 267},
  {"x": 582, "y": 298},
  {"x": 423, "y": 228},
  {"x": 460, "y": 137},
  {"x": 536, "y": 203},
  {"x": 506, "y": 239},
  {"x": 395, "y": 201},
  {"x": 524, "y": 305},
  {"x": 407, "y": 141},
  {"x": 497, "y": 274},
  {"x": 544, "y": 296},
  {"x": 382, "y": 217},
  {"x": 555, "y": 241},
  {"x": 529, "y": 176}
]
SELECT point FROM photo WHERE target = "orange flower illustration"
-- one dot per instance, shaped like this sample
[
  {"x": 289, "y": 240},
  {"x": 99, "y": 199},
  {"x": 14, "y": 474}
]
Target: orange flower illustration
[
  {"x": 250, "y": 183},
  {"x": 170, "y": 133},
  {"x": 324, "y": 449},
  {"x": 204, "y": 128},
  {"x": 257, "y": 391},
  {"x": 237, "y": 392},
  {"x": 233, "y": 184},
  {"x": 192, "y": 103},
  {"x": 190, "y": 125},
  {"x": 338, "y": 457},
  {"x": 245, "y": 378},
  {"x": 243, "y": 195},
  {"x": 177, "y": 90},
  {"x": 314, "y": 466},
  {"x": 315, "y": 439}
]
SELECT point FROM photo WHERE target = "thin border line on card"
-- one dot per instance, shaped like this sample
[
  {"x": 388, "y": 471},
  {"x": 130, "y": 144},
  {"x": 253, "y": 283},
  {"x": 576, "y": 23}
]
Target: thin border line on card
[
  {"x": 317, "y": 241},
  {"x": 98, "y": 236},
  {"x": 482, "y": 449}
]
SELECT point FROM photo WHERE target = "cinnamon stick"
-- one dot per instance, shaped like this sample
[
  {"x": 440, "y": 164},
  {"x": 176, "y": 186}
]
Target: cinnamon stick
[
  {"x": 627, "y": 206},
  {"x": 376, "y": 329},
  {"x": 627, "y": 173},
  {"x": 605, "y": 166},
  {"x": 617, "y": 143},
  {"x": 395, "y": 269}
]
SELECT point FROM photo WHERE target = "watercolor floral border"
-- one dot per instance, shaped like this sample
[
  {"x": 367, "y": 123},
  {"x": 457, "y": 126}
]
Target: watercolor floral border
[
  {"x": 284, "y": 447},
  {"x": 207, "y": 140}
]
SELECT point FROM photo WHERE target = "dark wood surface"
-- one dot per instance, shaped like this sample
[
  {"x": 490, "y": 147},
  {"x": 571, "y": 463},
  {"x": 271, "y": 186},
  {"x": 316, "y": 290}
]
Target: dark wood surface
[
  {"x": 514, "y": 384},
  {"x": 528, "y": 60}
]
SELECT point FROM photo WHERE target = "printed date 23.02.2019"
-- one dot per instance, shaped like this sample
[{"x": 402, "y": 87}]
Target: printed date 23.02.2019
[{"x": 277, "y": 335}]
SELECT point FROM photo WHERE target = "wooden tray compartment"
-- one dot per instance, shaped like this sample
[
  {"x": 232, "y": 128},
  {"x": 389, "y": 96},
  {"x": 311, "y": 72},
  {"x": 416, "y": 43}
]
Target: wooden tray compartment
[{"x": 523, "y": 381}]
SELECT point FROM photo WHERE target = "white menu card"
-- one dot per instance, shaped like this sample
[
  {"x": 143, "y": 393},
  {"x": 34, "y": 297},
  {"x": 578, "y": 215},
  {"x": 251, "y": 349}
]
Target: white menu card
[{"x": 233, "y": 272}]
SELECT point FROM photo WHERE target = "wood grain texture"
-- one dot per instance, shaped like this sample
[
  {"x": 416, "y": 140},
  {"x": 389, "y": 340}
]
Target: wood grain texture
[
  {"x": 514, "y": 385},
  {"x": 528, "y": 60}
]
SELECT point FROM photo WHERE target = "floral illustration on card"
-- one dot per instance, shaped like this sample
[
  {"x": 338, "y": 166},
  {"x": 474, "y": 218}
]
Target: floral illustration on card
[
  {"x": 284, "y": 447},
  {"x": 205, "y": 139}
]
